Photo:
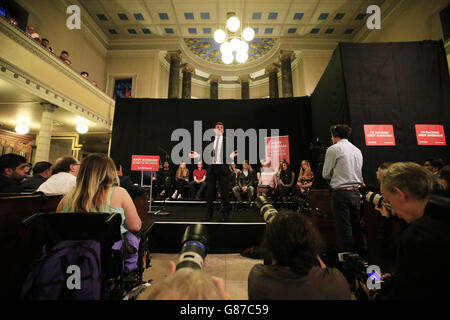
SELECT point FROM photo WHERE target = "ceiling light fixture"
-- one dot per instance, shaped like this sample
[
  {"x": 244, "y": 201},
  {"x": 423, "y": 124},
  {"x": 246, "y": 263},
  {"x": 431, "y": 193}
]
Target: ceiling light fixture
[
  {"x": 22, "y": 128},
  {"x": 82, "y": 128},
  {"x": 233, "y": 44}
]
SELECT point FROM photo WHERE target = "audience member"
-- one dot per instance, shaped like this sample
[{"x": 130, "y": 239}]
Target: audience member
[
  {"x": 285, "y": 182},
  {"x": 96, "y": 190},
  {"x": 67, "y": 61},
  {"x": 165, "y": 179},
  {"x": 197, "y": 187},
  {"x": 422, "y": 259},
  {"x": 444, "y": 177},
  {"x": 293, "y": 245},
  {"x": 267, "y": 181},
  {"x": 45, "y": 43},
  {"x": 30, "y": 30},
  {"x": 94, "y": 83},
  {"x": 84, "y": 74},
  {"x": 434, "y": 165},
  {"x": 63, "y": 179},
  {"x": 126, "y": 182},
  {"x": 181, "y": 179},
  {"x": 64, "y": 55},
  {"x": 41, "y": 172},
  {"x": 305, "y": 179},
  {"x": 13, "y": 21},
  {"x": 186, "y": 284},
  {"x": 13, "y": 168},
  {"x": 246, "y": 181}
]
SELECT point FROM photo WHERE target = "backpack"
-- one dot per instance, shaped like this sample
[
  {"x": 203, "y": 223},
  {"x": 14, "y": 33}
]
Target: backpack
[{"x": 53, "y": 278}]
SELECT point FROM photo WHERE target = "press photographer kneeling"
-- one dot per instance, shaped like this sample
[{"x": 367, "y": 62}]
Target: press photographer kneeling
[{"x": 421, "y": 270}]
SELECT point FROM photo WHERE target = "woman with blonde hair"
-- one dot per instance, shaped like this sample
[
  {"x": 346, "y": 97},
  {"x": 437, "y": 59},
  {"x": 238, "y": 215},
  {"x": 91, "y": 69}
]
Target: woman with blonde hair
[
  {"x": 305, "y": 177},
  {"x": 97, "y": 190},
  {"x": 181, "y": 179}
]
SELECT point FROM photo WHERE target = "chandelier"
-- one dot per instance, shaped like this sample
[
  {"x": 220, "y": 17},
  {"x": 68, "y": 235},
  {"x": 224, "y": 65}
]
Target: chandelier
[{"x": 233, "y": 44}]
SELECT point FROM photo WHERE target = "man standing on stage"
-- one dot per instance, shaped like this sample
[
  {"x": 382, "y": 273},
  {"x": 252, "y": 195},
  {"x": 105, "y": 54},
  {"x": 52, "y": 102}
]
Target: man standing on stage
[
  {"x": 343, "y": 165},
  {"x": 217, "y": 171}
]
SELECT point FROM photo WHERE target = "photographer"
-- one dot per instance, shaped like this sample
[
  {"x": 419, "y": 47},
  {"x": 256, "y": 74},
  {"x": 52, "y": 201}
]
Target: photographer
[
  {"x": 296, "y": 271},
  {"x": 422, "y": 256}
]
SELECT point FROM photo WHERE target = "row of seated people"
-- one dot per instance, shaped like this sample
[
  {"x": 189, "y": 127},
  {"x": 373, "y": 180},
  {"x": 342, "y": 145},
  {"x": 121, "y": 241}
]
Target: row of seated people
[
  {"x": 244, "y": 182},
  {"x": 63, "y": 56}
]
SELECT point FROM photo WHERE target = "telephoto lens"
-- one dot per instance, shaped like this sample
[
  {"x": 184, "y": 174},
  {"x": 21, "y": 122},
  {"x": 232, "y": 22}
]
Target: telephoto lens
[
  {"x": 376, "y": 199},
  {"x": 265, "y": 209},
  {"x": 194, "y": 247}
]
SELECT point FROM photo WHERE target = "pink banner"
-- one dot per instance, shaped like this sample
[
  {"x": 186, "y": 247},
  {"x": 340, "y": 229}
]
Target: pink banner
[
  {"x": 144, "y": 163},
  {"x": 430, "y": 135},
  {"x": 379, "y": 134},
  {"x": 277, "y": 148}
]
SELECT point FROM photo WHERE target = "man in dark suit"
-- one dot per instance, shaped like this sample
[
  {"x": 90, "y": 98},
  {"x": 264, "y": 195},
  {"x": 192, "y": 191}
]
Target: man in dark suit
[
  {"x": 41, "y": 172},
  {"x": 218, "y": 171},
  {"x": 126, "y": 182}
]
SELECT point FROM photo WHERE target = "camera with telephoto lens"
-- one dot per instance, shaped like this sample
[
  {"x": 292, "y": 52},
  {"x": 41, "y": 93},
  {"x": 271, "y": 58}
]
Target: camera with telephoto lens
[
  {"x": 194, "y": 247},
  {"x": 265, "y": 209},
  {"x": 377, "y": 200}
]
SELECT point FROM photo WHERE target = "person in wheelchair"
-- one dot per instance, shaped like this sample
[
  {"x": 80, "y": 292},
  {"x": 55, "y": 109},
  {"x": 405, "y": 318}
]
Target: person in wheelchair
[{"x": 97, "y": 190}]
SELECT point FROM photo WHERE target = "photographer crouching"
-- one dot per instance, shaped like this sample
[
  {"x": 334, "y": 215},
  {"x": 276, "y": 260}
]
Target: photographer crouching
[{"x": 423, "y": 250}]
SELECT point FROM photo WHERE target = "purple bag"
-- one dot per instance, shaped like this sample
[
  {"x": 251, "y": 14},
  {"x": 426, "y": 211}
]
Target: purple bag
[
  {"x": 129, "y": 245},
  {"x": 52, "y": 279}
]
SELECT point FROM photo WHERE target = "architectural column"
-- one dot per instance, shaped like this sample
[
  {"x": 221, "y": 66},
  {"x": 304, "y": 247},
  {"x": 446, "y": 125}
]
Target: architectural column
[
  {"x": 214, "y": 87},
  {"x": 272, "y": 70},
  {"x": 187, "y": 80},
  {"x": 174, "y": 73},
  {"x": 245, "y": 86},
  {"x": 286, "y": 58},
  {"x": 45, "y": 133}
]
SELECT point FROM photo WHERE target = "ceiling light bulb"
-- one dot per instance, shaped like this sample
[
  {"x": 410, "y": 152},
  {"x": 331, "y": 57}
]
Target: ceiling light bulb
[
  {"x": 225, "y": 48},
  {"x": 227, "y": 58},
  {"x": 82, "y": 128},
  {"x": 220, "y": 36},
  {"x": 243, "y": 46},
  {"x": 233, "y": 24},
  {"x": 235, "y": 44},
  {"x": 241, "y": 56},
  {"x": 248, "y": 34},
  {"x": 22, "y": 128}
]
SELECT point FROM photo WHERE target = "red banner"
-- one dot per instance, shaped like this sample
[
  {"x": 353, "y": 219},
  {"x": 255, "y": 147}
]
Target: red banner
[
  {"x": 144, "y": 163},
  {"x": 379, "y": 134},
  {"x": 277, "y": 148},
  {"x": 430, "y": 135}
]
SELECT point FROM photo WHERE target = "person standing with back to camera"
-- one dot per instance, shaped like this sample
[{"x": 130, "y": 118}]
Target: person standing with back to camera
[
  {"x": 218, "y": 171},
  {"x": 343, "y": 166}
]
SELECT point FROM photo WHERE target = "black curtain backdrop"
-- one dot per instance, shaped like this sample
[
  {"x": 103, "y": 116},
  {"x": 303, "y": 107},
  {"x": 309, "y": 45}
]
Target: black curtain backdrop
[
  {"x": 145, "y": 126},
  {"x": 402, "y": 84}
]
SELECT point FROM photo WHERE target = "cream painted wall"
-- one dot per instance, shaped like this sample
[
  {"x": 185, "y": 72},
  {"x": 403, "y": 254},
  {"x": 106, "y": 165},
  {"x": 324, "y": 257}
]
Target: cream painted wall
[
  {"x": 86, "y": 54},
  {"x": 414, "y": 20},
  {"x": 146, "y": 69}
]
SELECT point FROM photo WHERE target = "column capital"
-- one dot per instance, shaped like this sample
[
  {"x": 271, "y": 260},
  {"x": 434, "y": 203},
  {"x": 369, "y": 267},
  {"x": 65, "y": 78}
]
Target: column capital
[
  {"x": 244, "y": 78},
  {"x": 173, "y": 54},
  {"x": 49, "y": 107},
  {"x": 214, "y": 78},
  {"x": 187, "y": 68},
  {"x": 274, "y": 67},
  {"x": 287, "y": 54}
]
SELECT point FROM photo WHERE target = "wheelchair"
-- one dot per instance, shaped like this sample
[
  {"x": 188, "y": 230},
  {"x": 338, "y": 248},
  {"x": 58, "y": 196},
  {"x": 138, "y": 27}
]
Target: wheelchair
[{"x": 50, "y": 229}]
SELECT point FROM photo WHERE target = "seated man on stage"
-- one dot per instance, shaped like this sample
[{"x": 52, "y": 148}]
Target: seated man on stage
[
  {"x": 246, "y": 180},
  {"x": 197, "y": 187}
]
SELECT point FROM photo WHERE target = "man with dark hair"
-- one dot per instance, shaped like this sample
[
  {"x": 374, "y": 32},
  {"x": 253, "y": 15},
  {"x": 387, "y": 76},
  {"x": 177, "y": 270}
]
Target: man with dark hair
[
  {"x": 343, "y": 166},
  {"x": 84, "y": 74},
  {"x": 422, "y": 261},
  {"x": 13, "y": 168},
  {"x": 64, "y": 55},
  {"x": 127, "y": 183},
  {"x": 64, "y": 176},
  {"x": 245, "y": 183},
  {"x": 434, "y": 165},
  {"x": 41, "y": 172},
  {"x": 45, "y": 42},
  {"x": 218, "y": 171}
]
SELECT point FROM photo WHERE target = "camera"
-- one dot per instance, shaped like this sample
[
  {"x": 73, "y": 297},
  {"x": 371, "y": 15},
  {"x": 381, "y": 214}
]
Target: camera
[
  {"x": 377, "y": 200},
  {"x": 194, "y": 247},
  {"x": 265, "y": 209}
]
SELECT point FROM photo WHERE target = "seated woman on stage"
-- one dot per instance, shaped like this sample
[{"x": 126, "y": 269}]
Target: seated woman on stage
[
  {"x": 234, "y": 173},
  {"x": 181, "y": 179},
  {"x": 293, "y": 245},
  {"x": 285, "y": 182},
  {"x": 267, "y": 181},
  {"x": 305, "y": 179}
]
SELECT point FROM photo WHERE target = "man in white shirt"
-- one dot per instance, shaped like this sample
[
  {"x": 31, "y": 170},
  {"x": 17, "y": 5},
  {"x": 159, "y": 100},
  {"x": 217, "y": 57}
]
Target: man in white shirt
[
  {"x": 343, "y": 166},
  {"x": 63, "y": 179}
]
